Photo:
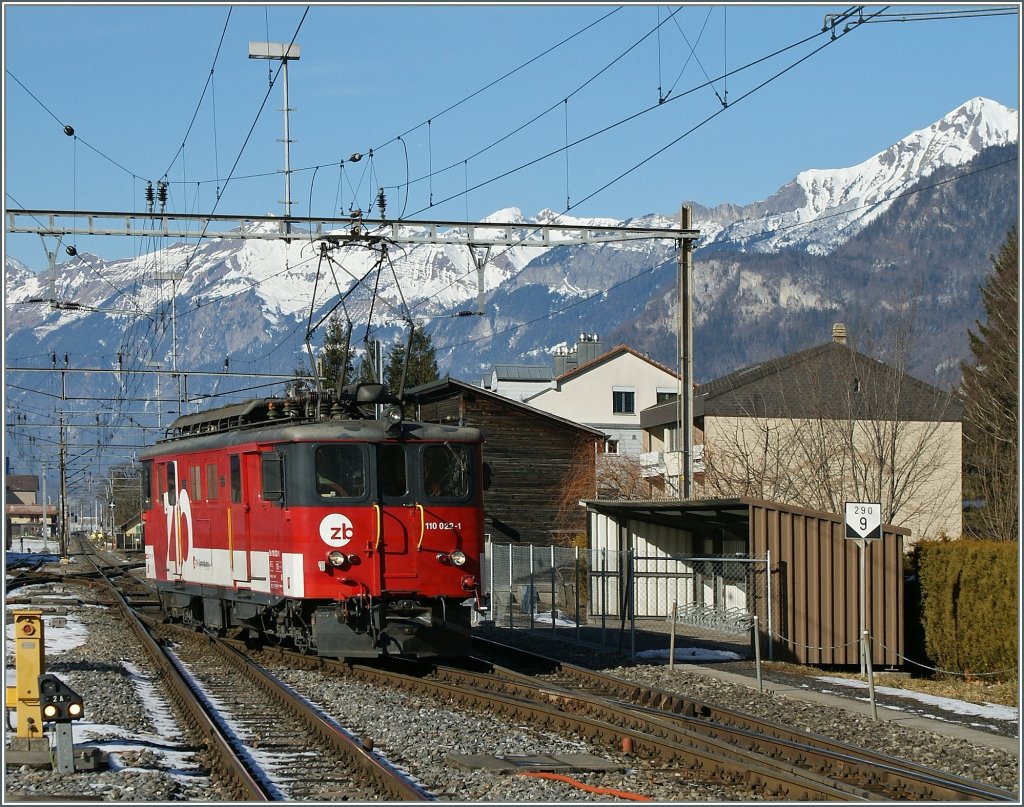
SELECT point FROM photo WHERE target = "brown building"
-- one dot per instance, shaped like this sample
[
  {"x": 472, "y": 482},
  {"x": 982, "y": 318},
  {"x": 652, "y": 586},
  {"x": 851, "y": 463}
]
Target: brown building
[
  {"x": 23, "y": 513},
  {"x": 533, "y": 457}
]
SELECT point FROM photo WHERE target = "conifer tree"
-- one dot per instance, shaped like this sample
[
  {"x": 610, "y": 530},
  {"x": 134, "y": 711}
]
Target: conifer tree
[
  {"x": 991, "y": 406},
  {"x": 302, "y": 384},
  {"x": 334, "y": 355},
  {"x": 422, "y": 366},
  {"x": 365, "y": 373}
]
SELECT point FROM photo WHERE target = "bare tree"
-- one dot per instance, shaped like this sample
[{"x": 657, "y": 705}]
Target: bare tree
[
  {"x": 578, "y": 483},
  {"x": 124, "y": 492}
]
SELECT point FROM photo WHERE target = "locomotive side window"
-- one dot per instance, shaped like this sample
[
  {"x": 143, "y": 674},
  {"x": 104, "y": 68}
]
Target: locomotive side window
[
  {"x": 236, "y": 477},
  {"x": 340, "y": 471},
  {"x": 393, "y": 480},
  {"x": 172, "y": 484},
  {"x": 195, "y": 476},
  {"x": 446, "y": 471},
  {"x": 147, "y": 481},
  {"x": 211, "y": 482}
]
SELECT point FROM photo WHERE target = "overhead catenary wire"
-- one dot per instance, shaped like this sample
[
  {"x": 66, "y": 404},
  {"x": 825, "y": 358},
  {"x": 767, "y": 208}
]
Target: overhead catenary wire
[
  {"x": 202, "y": 95},
  {"x": 778, "y": 52},
  {"x": 566, "y": 138}
]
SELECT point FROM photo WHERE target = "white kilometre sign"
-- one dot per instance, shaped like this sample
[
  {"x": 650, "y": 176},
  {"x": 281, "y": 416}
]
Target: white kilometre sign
[{"x": 864, "y": 520}]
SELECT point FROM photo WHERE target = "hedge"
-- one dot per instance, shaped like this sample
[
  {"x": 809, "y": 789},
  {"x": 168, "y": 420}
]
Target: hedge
[{"x": 969, "y": 605}]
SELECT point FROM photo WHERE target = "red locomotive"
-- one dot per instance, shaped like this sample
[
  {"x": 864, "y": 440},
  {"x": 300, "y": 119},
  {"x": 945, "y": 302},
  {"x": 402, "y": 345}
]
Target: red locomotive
[{"x": 303, "y": 520}]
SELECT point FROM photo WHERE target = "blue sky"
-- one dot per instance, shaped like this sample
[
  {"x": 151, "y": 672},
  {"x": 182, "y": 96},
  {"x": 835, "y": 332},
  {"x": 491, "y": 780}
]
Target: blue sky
[{"x": 129, "y": 79}]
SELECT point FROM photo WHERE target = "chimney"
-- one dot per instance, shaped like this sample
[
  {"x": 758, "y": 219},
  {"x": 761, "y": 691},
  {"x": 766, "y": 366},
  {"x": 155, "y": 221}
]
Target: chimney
[
  {"x": 839, "y": 333},
  {"x": 589, "y": 348},
  {"x": 563, "y": 361}
]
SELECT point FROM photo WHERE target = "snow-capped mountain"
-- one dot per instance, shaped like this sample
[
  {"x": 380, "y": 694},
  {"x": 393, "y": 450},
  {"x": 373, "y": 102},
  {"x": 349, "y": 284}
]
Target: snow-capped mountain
[
  {"x": 769, "y": 277},
  {"x": 821, "y": 209}
]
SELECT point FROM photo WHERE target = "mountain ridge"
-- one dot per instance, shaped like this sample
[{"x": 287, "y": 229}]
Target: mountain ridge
[{"x": 768, "y": 276}]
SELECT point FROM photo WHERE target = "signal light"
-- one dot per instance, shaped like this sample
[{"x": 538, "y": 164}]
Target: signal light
[{"x": 59, "y": 702}]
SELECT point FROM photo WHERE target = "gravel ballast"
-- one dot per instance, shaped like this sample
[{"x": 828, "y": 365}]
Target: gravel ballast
[{"x": 150, "y": 761}]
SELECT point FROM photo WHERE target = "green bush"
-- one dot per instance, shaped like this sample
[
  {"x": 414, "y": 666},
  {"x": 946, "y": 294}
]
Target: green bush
[{"x": 969, "y": 604}]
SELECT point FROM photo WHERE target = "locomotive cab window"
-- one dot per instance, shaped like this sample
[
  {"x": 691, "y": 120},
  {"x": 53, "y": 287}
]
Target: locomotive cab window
[
  {"x": 446, "y": 471},
  {"x": 340, "y": 471}
]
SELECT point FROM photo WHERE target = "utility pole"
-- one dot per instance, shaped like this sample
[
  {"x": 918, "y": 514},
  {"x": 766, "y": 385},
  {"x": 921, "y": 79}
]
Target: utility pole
[
  {"x": 685, "y": 337},
  {"x": 62, "y": 527},
  {"x": 283, "y": 53},
  {"x": 46, "y": 514},
  {"x": 174, "y": 277}
]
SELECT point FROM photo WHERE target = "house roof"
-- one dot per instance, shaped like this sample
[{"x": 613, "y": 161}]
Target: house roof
[
  {"x": 22, "y": 482},
  {"x": 522, "y": 372},
  {"x": 443, "y": 388},
  {"x": 30, "y": 510},
  {"x": 831, "y": 381},
  {"x": 614, "y": 353}
]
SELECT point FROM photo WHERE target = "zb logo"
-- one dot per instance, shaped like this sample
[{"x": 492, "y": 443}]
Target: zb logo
[{"x": 336, "y": 530}]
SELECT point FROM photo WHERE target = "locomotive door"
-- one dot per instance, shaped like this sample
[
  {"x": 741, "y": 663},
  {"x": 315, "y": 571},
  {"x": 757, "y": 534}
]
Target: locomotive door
[
  {"x": 238, "y": 514},
  {"x": 399, "y": 521}
]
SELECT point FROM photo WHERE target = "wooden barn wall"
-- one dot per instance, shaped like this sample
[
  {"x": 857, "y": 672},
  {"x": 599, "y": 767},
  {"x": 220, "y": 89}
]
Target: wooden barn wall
[
  {"x": 816, "y": 588},
  {"x": 530, "y": 458}
]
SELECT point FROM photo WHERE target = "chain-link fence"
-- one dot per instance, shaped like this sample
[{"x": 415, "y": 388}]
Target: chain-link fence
[{"x": 624, "y": 599}]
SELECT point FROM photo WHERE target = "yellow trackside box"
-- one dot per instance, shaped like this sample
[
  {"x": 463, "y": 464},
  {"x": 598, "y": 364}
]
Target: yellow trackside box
[{"x": 29, "y": 663}]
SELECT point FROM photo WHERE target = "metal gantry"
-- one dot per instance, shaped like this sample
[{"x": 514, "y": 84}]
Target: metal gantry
[
  {"x": 480, "y": 237},
  {"x": 343, "y": 229}
]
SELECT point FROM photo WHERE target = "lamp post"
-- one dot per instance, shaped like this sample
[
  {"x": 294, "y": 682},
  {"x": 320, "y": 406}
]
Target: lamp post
[{"x": 284, "y": 53}]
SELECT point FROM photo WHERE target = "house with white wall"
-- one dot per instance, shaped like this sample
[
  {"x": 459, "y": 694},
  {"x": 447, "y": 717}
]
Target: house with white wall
[
  {"x": 818, "y": 428},
  {"x": 607, "y": 391}
]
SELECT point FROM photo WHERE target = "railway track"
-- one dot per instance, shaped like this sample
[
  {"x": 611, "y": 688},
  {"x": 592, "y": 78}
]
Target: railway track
[
  {"x": 265, "y": 742},
  {"x": 661, "y": 734},
  {"x": 709, "y": 761},
  {"x": 661, "y": 729},
  {"x": 580, "y": 689}
]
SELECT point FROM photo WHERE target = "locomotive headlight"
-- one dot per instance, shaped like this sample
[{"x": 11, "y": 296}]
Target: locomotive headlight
[
  {"x": 336, "y": 558},
  {"x": 456, "y": 558}
]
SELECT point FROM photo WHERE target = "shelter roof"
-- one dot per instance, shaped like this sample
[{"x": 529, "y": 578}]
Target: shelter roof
[{"x": 731, "y": 513}]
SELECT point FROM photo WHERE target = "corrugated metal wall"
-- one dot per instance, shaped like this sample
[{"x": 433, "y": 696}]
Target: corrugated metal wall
[{"x": 816, "y": 587}]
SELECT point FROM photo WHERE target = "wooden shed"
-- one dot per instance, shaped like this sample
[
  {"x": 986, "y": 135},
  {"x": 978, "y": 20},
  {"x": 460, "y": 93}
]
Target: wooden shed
[
  {"x": 808, "y": 606},
  {"x": 532, "y": 457}
]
